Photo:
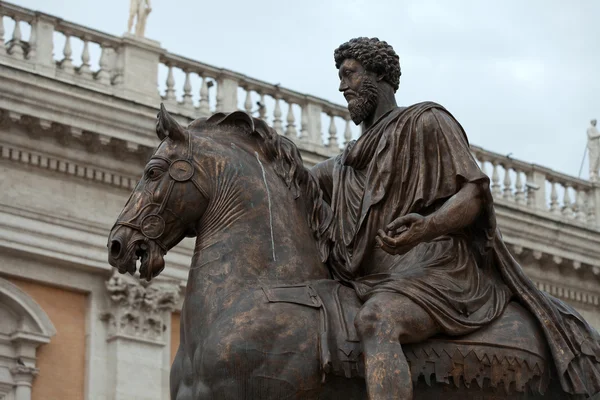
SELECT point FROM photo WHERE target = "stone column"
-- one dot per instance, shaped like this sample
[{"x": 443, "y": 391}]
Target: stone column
[
  {"x": 595, "y": 198},
  {"x": 138, "y": 323},
  {"x": 44, "y": 34},
  {"x": 23, "y": 377},
  {"x": 313, "y": 123},
  {"x": 227, "y": 95},
  {"x": 139, "y": 60},
  {"x": 538, "y": 191}
]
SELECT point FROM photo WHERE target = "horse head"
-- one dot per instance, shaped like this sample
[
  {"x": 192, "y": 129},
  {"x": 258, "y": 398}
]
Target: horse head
[
  {"x": 184, "y": 178},
  {"x": 157, "y": 215}
]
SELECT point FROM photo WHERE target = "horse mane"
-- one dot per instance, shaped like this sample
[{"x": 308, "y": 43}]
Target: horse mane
[{"x": 286, "y": 159}]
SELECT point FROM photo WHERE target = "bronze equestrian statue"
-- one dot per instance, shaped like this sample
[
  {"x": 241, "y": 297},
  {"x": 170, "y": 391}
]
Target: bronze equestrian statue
[{"x": 383, "y": 264}]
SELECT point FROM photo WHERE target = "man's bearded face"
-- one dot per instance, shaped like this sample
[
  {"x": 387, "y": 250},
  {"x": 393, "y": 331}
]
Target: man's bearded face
[
  {"x": 365, "y": 102},
  {"x": 360, "y": 90}
]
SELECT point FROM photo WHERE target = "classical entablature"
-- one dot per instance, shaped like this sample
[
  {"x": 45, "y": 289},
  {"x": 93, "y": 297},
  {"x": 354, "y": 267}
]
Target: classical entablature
[{"x": 25, "y": 326}]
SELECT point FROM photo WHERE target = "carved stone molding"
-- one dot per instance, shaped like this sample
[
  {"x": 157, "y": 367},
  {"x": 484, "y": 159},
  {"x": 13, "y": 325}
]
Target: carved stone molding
[
  {"x": 23, "y": 375},
  {"x": 70, "y": 135},
  {"x": 68, "y": 167},
  {"x": 139, "y": 311}
]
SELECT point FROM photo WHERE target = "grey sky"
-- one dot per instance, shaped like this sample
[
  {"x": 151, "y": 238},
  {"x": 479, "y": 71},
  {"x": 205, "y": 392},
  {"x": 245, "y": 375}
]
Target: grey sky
[{"x": 523, "y": 77}]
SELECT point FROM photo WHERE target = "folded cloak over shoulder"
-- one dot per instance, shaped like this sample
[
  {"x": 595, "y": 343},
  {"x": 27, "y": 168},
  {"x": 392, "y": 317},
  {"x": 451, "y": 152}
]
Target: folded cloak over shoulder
[{"x": 410, "y": 163}]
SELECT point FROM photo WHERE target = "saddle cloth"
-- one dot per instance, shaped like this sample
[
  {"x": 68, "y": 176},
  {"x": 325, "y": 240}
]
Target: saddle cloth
[
  {"x": 511, "y": 350},
  {"x": 339, "y": 346}
]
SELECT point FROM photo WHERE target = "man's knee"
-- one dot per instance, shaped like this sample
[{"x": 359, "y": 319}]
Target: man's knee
[
  {"x": 376, "y": 320},
  {"x": 393, "y": 318}
]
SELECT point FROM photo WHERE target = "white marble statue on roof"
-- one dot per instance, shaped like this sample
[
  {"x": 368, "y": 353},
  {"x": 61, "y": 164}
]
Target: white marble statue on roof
[{"x": 138, "y": 10}]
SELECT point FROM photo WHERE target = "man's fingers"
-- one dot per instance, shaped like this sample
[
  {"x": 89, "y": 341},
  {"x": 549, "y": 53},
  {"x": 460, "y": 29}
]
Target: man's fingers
[
  {"x": 385, "y": 247},
  {"x": 402, "y": 221},
  {"x": 396, "y": 241}
]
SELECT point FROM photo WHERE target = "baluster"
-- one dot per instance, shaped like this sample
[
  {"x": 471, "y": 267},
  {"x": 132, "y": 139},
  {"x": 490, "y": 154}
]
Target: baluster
[
  {"x": 103, "y": 74},
  {"x": 2, "y": 45},
  {"x": 496, "y": 191},
  {"x": 303, "y": 124},
  {"x": 554, "y": 199},
  {"x": 347, "y": 133},
  {"x": 519, "y": 192},
  {"x": 85, "y": 59},
  {"x": 262, "y": 110},
  {"x": 118, "y": 78},
  {"x": 291, "y": 127},
  {"x": 67, "y": 63},
  {"x": 482, "y": 165},
  {"x": 187, "y": 91},
  {"x": 170, "y": 92},
  {"x": 530, "y": 191},
  {"x": 277, "y": 123},
  {"x": 31, "y": 53},
  {"x": 567, "y": 205},
  {"x": 203, "y": 106},
  {"x": 248, "y": 102},
  {"x": 333, "y": 141},
  {"x": 507, "y": 193},
  {"x": 15, "y": 48}
]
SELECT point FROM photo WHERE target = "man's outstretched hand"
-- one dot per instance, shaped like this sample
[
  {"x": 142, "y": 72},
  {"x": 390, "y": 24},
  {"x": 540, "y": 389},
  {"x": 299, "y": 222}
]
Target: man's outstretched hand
[{"x": 405, "y": 233}]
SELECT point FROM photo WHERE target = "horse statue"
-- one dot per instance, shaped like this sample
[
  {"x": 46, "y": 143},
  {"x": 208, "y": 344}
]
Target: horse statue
[{"x": 262, "y": 318}]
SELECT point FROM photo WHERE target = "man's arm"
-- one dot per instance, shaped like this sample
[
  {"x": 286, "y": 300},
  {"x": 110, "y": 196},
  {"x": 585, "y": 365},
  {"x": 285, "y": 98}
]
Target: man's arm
[
  {"x": 323, "y": 172},
  {"x": 458, "y": 212}
]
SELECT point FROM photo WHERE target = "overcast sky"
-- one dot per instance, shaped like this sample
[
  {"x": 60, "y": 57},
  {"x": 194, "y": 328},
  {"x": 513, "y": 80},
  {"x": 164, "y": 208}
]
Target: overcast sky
[{"x": 523, "y": 77}]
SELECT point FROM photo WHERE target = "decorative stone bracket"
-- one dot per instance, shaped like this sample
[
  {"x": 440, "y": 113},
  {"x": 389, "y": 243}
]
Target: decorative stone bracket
[{"x": 139, "y": 310}]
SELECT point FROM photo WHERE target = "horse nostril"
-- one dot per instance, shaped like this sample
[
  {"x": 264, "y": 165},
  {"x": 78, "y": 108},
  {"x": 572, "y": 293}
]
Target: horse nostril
[{"x": 115, "y": 248}]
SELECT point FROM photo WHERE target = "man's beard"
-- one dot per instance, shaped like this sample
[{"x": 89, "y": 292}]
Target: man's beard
[{"x": 365, "y": 103}]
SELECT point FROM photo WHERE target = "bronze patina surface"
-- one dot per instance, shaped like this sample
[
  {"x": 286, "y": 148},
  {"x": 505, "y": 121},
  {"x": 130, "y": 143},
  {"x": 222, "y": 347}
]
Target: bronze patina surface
[{"x": 378, "y": 274}]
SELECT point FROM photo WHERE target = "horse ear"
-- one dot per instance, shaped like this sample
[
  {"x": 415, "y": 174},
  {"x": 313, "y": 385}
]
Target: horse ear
[
  {"x": 166, "y": 125},
  {"x": 239, "y": 118}
]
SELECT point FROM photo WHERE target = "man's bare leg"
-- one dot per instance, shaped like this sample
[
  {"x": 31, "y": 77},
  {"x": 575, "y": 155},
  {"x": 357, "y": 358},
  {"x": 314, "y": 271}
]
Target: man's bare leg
[{"x": 384, "y": 322}]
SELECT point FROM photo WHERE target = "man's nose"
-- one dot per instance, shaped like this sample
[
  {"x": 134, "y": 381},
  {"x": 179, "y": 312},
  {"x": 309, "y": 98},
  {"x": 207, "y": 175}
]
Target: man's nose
[{"x": 343, "y": 86}]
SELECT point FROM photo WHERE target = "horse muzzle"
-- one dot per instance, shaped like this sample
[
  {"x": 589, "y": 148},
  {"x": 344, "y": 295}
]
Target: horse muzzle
[{"x": 124, "y": 251}]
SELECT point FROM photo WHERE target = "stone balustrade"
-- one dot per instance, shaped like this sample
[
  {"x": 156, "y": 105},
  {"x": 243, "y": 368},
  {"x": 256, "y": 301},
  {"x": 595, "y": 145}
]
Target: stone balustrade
[
  {"x": 34, "y": 40},
  {"x": 541, "y": 189},
  {"x": 128, "y": 67},
  {"x": 293, "y": 114},
  {"x": 140, "y": 70}
]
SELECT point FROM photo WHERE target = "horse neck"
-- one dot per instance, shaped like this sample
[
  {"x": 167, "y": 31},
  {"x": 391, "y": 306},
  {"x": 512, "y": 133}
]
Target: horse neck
[{"x": 255, "y": 231}]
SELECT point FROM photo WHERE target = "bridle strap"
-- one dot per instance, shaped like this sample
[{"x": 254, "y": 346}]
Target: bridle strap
[{"x": 152, "y": 226}]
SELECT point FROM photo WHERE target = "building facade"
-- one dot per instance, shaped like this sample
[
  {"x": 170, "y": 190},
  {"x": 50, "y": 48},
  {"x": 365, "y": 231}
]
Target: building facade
[{"x": 75, "y": 133}]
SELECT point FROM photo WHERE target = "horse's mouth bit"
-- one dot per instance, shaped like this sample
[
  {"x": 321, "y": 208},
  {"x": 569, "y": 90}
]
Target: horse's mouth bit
[{"x": 140, "y": 252}]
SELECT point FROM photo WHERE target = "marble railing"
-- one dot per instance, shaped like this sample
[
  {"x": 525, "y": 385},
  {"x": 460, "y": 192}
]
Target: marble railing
[
  {"x": 296, "y": 115},
  {"x": 540, "y": 189},
  {"x": 83, "y": 55},
  {"x": 141, "y": 71}
]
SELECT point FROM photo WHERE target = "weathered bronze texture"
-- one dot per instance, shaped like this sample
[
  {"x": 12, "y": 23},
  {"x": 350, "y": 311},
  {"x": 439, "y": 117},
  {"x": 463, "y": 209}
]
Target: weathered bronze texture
[{"x": 378, "y": 274}]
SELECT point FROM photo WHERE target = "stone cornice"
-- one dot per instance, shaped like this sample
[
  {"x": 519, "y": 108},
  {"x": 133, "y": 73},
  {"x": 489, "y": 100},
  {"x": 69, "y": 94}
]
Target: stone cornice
[
  {"x": 80, "y": 109},
  {"x": 67, "y": 167}
]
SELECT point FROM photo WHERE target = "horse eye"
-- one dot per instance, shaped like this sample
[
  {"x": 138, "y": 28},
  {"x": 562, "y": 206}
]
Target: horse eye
[{"x": 154, "y": 173}]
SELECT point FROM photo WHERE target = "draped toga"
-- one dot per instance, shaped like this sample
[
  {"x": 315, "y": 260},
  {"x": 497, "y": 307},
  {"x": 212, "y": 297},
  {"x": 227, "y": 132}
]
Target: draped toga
[{"x": 411, "y": 161}]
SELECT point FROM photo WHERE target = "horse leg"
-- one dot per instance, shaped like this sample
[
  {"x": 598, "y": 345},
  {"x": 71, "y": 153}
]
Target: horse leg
[
  {"x": 181, "y": 377},
  {"x": 262, "y": 350}
]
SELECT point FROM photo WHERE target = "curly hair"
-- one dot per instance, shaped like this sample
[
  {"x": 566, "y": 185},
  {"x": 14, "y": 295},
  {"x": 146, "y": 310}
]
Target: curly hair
[{"x": 375, "y": 55}]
